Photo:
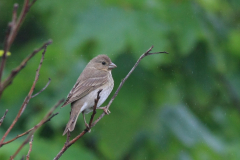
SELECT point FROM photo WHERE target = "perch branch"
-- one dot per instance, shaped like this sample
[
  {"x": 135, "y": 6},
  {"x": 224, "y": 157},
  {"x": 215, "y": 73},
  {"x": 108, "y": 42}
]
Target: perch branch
[
  {"x": 147, "y": 53},
  {"x": 35, "y": 128},
  {"x": 26, "y": 99},
  {"x": 94, "y": 108},
  {"x": 3, "y": 117},
  {"x": 67, "y": 145}
]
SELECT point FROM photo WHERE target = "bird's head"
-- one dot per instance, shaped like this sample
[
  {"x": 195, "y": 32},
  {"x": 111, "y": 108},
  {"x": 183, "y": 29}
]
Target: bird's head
[{"x": 102, "y": 62}]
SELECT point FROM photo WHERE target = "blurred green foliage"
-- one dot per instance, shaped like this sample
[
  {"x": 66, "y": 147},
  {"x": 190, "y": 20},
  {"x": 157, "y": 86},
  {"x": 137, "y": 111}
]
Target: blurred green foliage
[{"x": 184, "y": 105}]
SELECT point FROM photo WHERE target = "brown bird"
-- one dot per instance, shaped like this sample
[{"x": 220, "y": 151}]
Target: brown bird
[{"x": 96, "y": 76}]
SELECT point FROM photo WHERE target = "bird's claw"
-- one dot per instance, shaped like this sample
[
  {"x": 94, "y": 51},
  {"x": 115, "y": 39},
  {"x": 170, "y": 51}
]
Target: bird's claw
[{"x": 106, "y": 111}]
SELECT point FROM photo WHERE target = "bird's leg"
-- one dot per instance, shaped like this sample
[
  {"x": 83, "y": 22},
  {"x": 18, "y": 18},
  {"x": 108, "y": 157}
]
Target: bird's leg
[
  {"x": 86, "y": 124},
  {"x": 104, "y": 109}
]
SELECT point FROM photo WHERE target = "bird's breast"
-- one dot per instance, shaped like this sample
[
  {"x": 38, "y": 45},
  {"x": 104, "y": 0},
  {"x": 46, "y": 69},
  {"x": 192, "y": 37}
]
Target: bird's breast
[{"x": 90, "y": 98}]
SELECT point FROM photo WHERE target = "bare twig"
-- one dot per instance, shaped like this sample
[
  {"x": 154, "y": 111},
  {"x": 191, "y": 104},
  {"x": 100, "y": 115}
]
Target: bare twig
[
  {"x": 12, "y": 31},
  {"x": 94, "y": 108},
  {"x": 67, "y": 145},
  {"x": 14, "y": 15},
  {"x": 36, "y": 127},
  {"x": 30, "y": 148},
  {"x": 49, "y": 80},
  {"x": 147, "y": 53},
  {"x": 15, "y": 71},
  {"x": 6, "y": 41},
  {"x": 68, "y": 138},
  {"x": 26, "y": 99},
  {"x": 1, "y": 120},
  {"x": 27, "y": 132}
]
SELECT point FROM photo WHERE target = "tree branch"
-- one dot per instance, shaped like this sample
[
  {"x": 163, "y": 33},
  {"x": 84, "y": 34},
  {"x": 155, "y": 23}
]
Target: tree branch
[
  {"x": 67, "y": 145},
  {"x": 26, "y": 99},
  {"x": 15, "y": 71},
  {"x": 7, "y": 37},
  {"x": 49, "y": 80},
  {"x": 30, "y": 148},
  {"x": 36, "y": 127},
  {"x": 12, "y": 31},
  {"x": 3, "y": 117},
  {"x": 25, "y": 133},
  {"x": 147, "y": 53},
  {"x": 94, "y": 108}
]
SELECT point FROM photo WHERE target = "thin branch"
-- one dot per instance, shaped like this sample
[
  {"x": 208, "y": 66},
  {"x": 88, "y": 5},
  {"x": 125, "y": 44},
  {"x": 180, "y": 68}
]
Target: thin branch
[
  {"x": 7, "y": 37},
  {"x": 15, "y": 71},
  {"x": 68, "y": 138},
  {"x": 4, "y": 56},
  {"x": 3, "y": 117},
  {"x": 49, "y": 80},
  {"x": 14, "y": 14},
  {"x": 16, "y": 26},
  {"x": 35, "y": 128},
  {"x": 94, "y": 108},
  {"x": 27, "y": 132},
  {"x": 69, "y": 143},
  {"x": 12, "y": 30},
  {"x": 30, "y": 148},
  {"x": 147, "y": 53},
  {"x": 26, "y": 99}
]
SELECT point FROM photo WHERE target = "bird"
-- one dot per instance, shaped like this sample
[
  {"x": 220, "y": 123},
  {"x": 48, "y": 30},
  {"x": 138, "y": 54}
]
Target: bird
[{"x": 96, "y": 76}]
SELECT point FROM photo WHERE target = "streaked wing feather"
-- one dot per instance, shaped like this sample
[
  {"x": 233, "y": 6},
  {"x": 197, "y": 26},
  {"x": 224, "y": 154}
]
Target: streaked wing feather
[
  {"x": 91, "y": 81},
  {"x": 70, "y": 95}
]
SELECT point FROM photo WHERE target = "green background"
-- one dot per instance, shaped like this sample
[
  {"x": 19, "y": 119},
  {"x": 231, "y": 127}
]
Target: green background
[{"x": 181, "y": 106}]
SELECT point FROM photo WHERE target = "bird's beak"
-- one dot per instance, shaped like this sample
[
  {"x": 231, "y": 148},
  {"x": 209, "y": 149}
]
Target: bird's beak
[{"x": 112, "y": 65}]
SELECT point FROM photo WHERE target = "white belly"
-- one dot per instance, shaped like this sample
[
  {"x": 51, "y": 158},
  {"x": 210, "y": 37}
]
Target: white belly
[{"x": 88, "y": 106}]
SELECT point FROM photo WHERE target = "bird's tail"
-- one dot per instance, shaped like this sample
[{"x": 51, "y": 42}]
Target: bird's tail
[{"x": 72, "y": 122}]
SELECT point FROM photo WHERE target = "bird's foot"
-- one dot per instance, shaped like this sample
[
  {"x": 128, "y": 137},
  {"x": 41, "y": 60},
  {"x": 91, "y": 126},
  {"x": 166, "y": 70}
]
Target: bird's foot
[
  {"x": 105, "y": 110},
  {"x": 86, "y": 124}
]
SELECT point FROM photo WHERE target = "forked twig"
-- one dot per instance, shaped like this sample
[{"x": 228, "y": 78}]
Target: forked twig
[
  {"x": 15, "y": 71},
  {"x": 49, "y": 80},
  {"x": 28, "y": 131},
  {"x": 35, "y": 128},
  {"x": 147, "y": 53},
  {"x": 12, "y": 30},
  {"x": 26, "y": 99},
  {"x": 67, "y": 145}
]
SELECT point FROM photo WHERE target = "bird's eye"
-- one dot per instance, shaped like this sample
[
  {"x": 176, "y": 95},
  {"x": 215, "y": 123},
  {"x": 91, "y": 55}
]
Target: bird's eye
[{"x": 103, "y": 63}]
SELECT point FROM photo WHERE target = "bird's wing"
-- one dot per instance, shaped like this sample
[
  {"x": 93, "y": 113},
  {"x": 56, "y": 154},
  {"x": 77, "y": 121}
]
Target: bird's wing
[{"x": 91, "y": 80}]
